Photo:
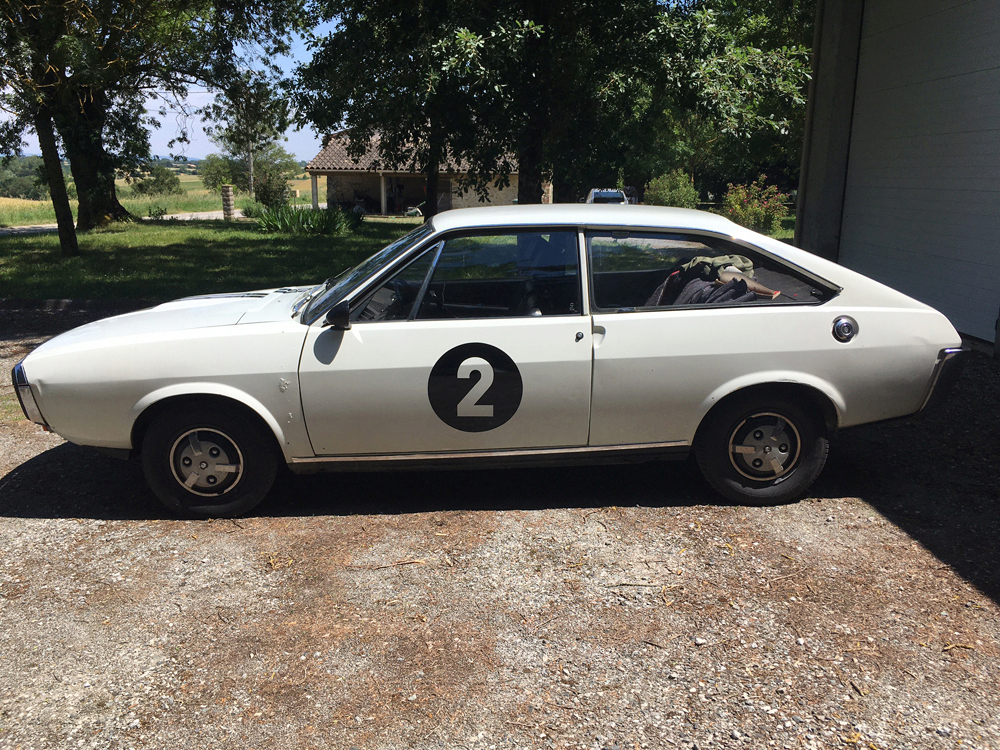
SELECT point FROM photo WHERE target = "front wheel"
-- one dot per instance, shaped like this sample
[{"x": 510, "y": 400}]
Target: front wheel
[
  {"x": 761, "y": 451},
  {"x": 208, "y": 462}
]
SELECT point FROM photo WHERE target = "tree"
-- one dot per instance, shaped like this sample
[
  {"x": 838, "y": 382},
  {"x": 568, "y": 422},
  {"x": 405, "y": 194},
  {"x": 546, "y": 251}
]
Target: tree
[
  {"x": 82, "y": 70},
  {"x": 274, "y": 166},
  {"x": 749, "y": 112},
  {"x": 579, "y": 91},
  {"x": 158, "y": 181},
  {"x": 403, "y": 77},
  {"x": 23, "y": 178},
  {"x": 28, "y": 85},
  {"x": 250, "y": 116}
]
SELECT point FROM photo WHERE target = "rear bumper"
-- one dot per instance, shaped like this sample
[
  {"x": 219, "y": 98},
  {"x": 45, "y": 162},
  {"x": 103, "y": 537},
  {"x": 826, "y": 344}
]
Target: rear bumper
[
  {"x": 946, "y": 373},
  {"x": 25, "y": 396}
]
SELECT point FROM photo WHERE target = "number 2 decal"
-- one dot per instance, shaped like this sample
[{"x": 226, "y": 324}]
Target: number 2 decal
[
  {"x": 475, "y": 388},
  {"x": 470, "y": 406}
]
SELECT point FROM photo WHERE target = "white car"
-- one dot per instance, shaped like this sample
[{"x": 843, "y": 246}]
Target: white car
[{"x": 505, "y": 335}]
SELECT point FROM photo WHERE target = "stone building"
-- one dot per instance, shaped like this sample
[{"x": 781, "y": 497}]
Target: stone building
[{"x": 391, "y": 191}]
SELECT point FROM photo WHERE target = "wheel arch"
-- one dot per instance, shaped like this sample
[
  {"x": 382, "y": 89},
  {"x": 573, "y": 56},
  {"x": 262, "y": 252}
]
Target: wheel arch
[
  {"x": 161, "y": 401},
  {"x": 826, "y": 403}
]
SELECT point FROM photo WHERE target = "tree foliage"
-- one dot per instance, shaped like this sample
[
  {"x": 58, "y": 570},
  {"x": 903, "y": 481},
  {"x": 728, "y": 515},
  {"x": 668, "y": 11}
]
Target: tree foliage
[
  {"x": 249, "y": 116},
  {"x": 274, "y": 165},
  {"x": 23, "y": 177},
  {"x": 78, "y": 72},
  {"x": 158, "y": 181},
  {"x": 586, "y": 92},
  {"x": 403, "y": 77}
]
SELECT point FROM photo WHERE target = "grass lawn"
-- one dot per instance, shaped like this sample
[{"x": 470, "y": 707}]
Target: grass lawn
[{"x": 168, "y": 259}]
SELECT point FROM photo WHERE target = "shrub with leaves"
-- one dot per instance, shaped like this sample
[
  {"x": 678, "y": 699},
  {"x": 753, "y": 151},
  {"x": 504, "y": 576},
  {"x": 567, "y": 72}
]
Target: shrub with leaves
[
  {"x": 252, "y": 209},
  {"x": 756, "y": 206},
  {"x": 159, "y": 181},
  {"x": 291, "y": 220},
  {"x": 672, "y": 189},
  {"x": 270, "y": 186}
]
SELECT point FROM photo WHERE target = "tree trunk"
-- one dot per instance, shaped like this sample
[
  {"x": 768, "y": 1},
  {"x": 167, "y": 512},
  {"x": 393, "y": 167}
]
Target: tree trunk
[
  {"x": 93, "y": 168},
  {"x": 250, "y": 173},
  {"x": 529, "y": 165},
  {"x": 57, "y": 183},
  {"x": 531, "y": 149},
  {"x": 432, "y": 170}
]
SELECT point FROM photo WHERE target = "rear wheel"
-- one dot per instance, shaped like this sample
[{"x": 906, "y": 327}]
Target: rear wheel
[
  {"x": 761, "y": 451},
  {"x": 208, "y": 462}
]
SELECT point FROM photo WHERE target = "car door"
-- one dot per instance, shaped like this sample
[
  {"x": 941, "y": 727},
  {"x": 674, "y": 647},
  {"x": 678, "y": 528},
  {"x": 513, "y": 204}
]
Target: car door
[
  {"x": 662, "y": 352},
  {"x": 478, "y": 344}
]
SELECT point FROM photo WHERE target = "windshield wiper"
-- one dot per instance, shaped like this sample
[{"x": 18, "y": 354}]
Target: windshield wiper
[
  {"x": 313, "y": 293},
  {"x": 309, "y": 296}
]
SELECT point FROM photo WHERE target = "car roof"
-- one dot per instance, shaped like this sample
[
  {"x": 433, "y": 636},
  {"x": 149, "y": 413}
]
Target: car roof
[{"x": 583, "y": 214}]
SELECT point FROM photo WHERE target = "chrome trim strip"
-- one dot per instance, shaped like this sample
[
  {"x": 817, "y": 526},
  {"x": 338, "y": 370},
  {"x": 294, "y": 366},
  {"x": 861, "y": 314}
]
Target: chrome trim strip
[
  {"x": 943, "y": 356},
  {"x": 586, "y": 450}
]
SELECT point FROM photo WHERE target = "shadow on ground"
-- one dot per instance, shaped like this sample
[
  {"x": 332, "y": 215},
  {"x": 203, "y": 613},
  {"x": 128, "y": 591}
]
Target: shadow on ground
[
  {"x": 935, "y": 476},
  {"x": 69, "y": 481}
]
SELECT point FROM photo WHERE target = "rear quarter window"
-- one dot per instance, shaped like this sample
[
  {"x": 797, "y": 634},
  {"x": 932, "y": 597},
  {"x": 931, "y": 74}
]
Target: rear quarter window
[{"x": 648, "y": 270}]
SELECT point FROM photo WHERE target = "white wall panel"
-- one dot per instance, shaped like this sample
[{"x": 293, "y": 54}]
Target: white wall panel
[{"x": 922, "y": 202}]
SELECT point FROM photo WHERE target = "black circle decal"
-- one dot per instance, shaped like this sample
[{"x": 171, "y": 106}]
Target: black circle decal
[{"x": 475, "y": 387}]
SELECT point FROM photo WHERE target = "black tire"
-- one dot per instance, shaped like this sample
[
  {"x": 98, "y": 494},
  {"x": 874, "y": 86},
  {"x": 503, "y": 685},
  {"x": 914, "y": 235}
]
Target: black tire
[
  {"x": 209, "y": 462},
  {"x": 760, "y": 450}
]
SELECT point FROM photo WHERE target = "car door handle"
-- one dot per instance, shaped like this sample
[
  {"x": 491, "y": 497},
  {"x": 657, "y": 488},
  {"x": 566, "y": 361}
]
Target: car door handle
[{"x": 599, "y": 332}]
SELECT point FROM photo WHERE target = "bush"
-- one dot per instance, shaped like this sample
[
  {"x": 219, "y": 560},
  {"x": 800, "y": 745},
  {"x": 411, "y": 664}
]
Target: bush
[
  {"x": 159, "y": 181},
  {"x": 755, "y": 206},
  {"x": 270, "y": 186},
  {"x": 291, "y": 220},
  {"x": 672, "y": 189},
  {"x": 252, "y": 209}
]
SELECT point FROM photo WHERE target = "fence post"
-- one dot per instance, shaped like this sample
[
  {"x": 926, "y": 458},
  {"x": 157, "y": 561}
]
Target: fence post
[{"x": 228, "y": 203}]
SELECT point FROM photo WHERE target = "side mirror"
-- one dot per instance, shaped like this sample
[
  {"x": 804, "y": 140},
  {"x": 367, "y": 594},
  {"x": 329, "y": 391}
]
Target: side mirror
[{"x": 339, "y": 317}]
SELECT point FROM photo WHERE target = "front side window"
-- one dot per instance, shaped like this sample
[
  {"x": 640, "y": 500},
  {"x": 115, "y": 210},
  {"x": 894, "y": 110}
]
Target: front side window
[
  {"x": 646, "y": 270},
  {"x": 338, "y": 287},
  {"x": 395, "y": 298},
  {"x": 513, "y": 274}
]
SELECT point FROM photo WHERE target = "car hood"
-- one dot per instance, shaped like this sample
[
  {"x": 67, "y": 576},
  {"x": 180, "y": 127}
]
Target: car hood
[{"x": 207, "y": 311}]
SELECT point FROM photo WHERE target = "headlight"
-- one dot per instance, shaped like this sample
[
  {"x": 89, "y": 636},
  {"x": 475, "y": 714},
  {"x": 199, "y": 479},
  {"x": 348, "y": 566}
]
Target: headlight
[{"x": 25, "y": 396}]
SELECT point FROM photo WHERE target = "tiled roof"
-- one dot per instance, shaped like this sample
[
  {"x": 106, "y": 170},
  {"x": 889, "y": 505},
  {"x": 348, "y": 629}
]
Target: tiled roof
[{"x": 334, "y": 157}]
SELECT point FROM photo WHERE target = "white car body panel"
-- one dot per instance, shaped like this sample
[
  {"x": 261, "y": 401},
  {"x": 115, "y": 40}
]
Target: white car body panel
[
  {"x": 365, "y": 389},
  {"x": 94, "y": 381},
  {"x": 655, "y": 373}
]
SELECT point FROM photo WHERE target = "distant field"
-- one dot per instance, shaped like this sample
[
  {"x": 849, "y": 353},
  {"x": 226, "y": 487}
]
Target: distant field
[{"x": 15, "y": 212}]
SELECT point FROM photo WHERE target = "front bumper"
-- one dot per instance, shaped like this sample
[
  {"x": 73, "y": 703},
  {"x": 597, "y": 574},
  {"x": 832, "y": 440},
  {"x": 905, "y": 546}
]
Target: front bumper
[
  {"x": 947, "y": 370},
  {"x": 25, "y": 396}
]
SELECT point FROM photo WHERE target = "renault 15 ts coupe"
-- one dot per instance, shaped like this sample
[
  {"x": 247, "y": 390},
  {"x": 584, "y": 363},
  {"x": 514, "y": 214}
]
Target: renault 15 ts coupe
[{"x": 505, "y": 335}]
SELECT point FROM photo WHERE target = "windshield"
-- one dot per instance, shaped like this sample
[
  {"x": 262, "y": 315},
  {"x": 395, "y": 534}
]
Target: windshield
[{"x": 338, "y": 286}]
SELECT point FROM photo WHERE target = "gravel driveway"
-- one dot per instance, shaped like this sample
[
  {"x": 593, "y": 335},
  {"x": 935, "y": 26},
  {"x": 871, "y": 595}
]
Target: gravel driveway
[{"x": 601, "y": 607}]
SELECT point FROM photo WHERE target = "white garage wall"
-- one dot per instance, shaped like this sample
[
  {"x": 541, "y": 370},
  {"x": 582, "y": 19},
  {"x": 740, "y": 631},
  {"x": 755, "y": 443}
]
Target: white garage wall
[{"x": 922, "y": 201}]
